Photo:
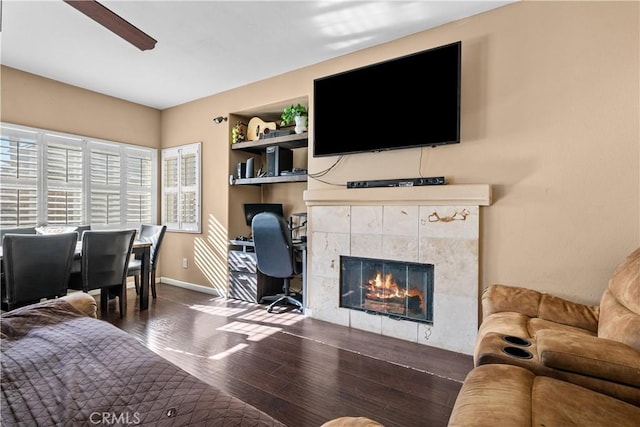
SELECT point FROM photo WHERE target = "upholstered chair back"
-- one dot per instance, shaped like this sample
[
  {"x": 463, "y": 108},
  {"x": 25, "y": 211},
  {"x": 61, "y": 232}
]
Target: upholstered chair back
[{"x": 620, "y": 304}]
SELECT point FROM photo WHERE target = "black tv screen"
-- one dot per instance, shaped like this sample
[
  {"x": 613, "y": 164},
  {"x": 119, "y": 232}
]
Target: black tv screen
[
  {"x": 253, "y": 209},
  {"x": 411, "y": 101}
]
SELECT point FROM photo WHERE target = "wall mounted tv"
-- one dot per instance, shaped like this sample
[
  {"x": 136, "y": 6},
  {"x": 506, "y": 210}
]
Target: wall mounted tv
[{"x": 411, "y": 101}]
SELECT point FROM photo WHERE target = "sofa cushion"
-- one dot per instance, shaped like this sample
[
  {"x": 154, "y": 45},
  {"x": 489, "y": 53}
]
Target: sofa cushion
[
  {"x": 620, "y": 304},
  {"x": 559, "y": 403},
  {"x": 494, "y": 395},
  {"x": 592, "y": 356},
  {"x": 505, "y": 395},
  {"x": 534, "y": 304},
  {"x": 520, "y": 325}
]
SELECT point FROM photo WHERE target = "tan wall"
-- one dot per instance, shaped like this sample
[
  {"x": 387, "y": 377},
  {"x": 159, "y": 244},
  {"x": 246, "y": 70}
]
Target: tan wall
[
  {"x": 31, "y": 100},
  {"x": 550, "y": 118}
]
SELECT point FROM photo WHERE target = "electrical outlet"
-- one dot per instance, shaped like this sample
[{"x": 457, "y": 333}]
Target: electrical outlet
[{"x": 185, "y": 263}]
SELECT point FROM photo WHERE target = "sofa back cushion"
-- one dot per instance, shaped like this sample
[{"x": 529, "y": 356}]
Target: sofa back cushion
[{"x": 620, "y": 304}]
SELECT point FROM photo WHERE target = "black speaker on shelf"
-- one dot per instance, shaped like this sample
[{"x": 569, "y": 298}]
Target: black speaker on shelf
[
  {"x": 242, "y": 170},
  {"x": 278, "y": 159},
  {"x": 249, "y": 169}
]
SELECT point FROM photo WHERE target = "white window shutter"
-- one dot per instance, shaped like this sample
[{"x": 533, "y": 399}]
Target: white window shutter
[
  {"x": 19, "y": 162},
  {"x": 139, "y": 191},
  {"x": 54, "y": 178},
  {"x": 64, "y": 180},
  {"x": 181, "y": 188},
  {"x": 105, "y": 182}
]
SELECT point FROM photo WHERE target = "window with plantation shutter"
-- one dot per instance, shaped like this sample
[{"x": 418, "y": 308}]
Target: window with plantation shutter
[
  {"x": 140, "y": 185},
  {"x": 50, "y": 178},
  {"x": 105, "y": 184},
  {"x": 64, "y": 180},
  {"x": 18, "y": 177},
  {"x": 181, "y": 188}
]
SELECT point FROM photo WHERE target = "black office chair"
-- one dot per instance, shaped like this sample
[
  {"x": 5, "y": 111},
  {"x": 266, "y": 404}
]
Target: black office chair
[
  {"x": 275, "y": 256},
  {"x": 153, "y": 234},
  {"x": 36, "y": 267},
  {"x": 103, "y": 265}
]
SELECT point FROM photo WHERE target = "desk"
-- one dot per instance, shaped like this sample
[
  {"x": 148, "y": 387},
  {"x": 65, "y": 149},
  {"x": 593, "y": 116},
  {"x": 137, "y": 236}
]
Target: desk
[
  {"x": 246, "y": 247},
  {"x": 143, "y": 249}
]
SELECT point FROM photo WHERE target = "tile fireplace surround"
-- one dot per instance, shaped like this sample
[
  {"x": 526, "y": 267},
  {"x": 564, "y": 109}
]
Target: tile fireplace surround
[{"x": 436, "y": 225}]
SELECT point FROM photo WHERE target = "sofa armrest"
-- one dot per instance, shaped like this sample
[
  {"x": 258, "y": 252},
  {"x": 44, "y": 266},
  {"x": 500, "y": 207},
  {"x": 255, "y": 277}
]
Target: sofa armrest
[
  {"x": 83, "y": 302},
  {"x": 502, "y": 298},
  {"x": 591, "y": 356}
]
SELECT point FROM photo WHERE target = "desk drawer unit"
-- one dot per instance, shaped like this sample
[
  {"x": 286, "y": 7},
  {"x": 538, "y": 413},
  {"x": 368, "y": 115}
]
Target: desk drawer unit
[
  {"x": 243, "y": 262},
  {"x": 246, "y": 283}
]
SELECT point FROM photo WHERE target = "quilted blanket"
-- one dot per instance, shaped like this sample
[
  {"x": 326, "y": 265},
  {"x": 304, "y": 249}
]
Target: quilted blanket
[{"x": 62, "y": 368}]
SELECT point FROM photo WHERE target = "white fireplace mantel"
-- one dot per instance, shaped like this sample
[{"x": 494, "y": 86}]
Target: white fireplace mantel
[{"x": 451, "y": 195}]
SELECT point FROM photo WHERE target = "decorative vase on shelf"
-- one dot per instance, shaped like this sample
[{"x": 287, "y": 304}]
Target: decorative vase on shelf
[{"x": 301, "y": 124}]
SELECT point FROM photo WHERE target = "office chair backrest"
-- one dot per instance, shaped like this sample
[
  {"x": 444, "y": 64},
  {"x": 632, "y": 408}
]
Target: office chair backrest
[
  {"x": 105, "y": 257},
  {"x": 153, "y": 234},
  {"x": 36, "y": 266},
  {"x": 272, "y": 240}
]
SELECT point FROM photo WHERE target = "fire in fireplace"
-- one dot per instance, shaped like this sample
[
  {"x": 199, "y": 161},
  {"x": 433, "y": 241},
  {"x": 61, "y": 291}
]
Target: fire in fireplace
[{"x": 397, "y": 289}]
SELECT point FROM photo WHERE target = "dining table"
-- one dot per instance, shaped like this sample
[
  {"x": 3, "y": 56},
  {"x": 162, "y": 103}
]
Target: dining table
[{"x": 142, "y": 250}]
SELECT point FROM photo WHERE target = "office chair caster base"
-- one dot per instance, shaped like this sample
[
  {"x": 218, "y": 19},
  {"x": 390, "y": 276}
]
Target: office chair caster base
[{"x": 285, "y": 300}]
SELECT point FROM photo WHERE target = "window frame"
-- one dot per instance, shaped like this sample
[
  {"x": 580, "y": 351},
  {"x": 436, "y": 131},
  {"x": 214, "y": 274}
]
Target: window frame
[
  {"x": 179, "y": 189},
  {"x": 87, "y": 144}
]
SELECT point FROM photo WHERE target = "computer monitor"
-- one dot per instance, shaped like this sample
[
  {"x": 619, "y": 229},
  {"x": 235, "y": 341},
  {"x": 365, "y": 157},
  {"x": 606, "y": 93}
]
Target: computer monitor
[{"x": 253, "y": 209}]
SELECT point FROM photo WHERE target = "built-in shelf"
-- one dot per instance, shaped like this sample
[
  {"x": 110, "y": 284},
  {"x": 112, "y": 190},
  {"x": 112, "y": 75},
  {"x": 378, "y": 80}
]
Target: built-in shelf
[
  {"x": 288, "y": 141},
  {"x": 270, "y": 180}
]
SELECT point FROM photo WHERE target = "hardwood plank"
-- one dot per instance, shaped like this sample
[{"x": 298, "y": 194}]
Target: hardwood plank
[{"x": 301, "y": 371}]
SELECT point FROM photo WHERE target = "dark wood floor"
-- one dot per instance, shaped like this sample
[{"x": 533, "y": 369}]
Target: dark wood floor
[{"x": 301, "y": 371}]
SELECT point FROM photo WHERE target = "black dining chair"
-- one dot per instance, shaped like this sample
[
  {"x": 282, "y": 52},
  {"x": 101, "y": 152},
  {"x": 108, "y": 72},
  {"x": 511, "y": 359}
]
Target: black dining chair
[
  {"x": 81, "y": 229},
  {"x": 103, "y": 265},
  {"x": 35, "y": 267},
  {"x": 19, "y": 230},
  {"x": 275, "y": 256},
  {"x": 153, "y": 234}
]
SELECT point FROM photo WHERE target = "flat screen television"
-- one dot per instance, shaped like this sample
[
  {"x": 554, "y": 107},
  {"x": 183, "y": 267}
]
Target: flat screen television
[
  {"x": 253, "y": 209},
  {"x": 410, "y": 101}
]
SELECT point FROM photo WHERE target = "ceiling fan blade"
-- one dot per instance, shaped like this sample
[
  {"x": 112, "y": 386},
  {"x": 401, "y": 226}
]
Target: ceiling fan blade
[{"x": 113, "y": 22}]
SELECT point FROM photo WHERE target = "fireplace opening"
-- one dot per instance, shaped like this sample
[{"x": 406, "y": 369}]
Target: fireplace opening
[{"x": 402, "y": 290}]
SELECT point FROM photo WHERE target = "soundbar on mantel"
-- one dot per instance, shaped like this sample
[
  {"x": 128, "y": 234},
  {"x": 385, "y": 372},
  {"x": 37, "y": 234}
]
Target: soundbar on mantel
[{"x": 399, "y": 182}]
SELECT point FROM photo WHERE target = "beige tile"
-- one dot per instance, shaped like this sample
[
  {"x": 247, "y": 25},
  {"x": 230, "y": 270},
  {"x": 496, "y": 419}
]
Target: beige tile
[
  {"x": 400, "y": 248},
  {"x": 401, "y": 329},
  {"x": 325, "y": 252},
  {"x": 323, "y": 300},
  {"x": 366, "y": 219},
  {"x": 455, "y": 264},
  {"x": 431, "y": 227},
  {"x": 366, "y": 245},
  {"x": 330, "y": 219},
  {"x": 400, "y": 221},
  {"x": 365, "y": 322}
]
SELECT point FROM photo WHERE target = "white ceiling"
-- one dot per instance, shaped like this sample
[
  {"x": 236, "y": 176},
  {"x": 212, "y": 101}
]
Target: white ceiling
[{"x": 205, "y": 47}]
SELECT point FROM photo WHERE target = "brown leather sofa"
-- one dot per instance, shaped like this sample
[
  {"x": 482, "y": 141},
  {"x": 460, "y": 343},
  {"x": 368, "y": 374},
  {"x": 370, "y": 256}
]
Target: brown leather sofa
[
  {"x": 507, "y": 395},
  {"x": 589, "y": 353},
  {"x": 597, "y": 347}
]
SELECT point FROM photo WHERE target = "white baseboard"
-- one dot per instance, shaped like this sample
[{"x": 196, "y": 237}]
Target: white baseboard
[{"x": 190, "y": 286}]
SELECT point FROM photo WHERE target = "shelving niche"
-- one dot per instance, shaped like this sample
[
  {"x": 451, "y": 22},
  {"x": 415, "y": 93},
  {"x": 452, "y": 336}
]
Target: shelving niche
[{"x": 292, "y": 141}]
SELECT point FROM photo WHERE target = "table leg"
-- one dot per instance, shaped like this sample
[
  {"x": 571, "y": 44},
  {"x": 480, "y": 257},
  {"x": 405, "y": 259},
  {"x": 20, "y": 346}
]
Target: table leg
[{"x": 144, "y": 279}]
